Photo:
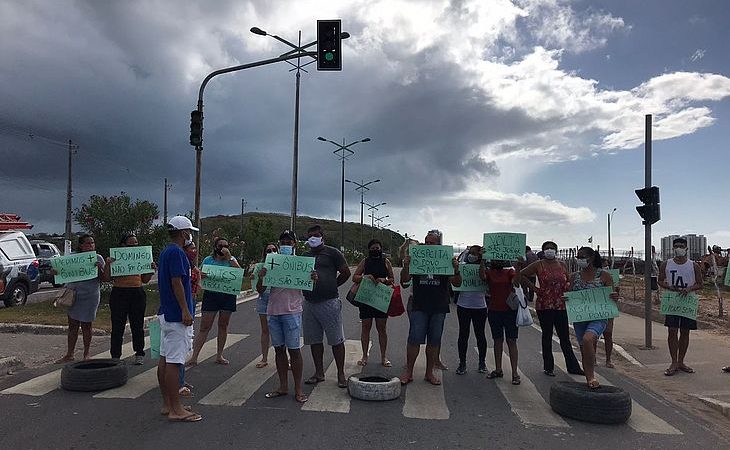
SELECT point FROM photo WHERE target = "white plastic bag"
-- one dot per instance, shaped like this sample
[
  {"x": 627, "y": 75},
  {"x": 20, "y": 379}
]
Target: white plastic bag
[{"x": 524, "y": 318}]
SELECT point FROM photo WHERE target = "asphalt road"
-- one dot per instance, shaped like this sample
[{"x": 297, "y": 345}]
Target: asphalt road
[{"x": 481, "y": 413}]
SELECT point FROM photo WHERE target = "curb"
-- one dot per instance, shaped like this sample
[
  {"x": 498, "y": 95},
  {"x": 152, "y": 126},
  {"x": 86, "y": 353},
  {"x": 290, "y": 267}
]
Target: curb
[
  {"x": 42, "y": 329},
  {"x": 9, "y": 363},
  {"x": 718, "y": 405}
]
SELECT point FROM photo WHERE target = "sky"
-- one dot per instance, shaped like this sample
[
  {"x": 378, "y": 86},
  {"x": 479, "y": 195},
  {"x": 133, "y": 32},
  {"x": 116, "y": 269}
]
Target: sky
[{"x": 483, "y": 115}]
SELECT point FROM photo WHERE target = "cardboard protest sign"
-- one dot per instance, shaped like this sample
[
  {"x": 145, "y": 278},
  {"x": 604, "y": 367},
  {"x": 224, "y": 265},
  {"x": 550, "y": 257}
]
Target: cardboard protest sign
[
  {"x": 289, "y": 271},
  {"x": 727, "y": 276},
  {"x": 679, "y": 305},
  {"x": 590, "y": 304},
  {"x": 376, "y": 295},
  {"x": 131, "y": 260},
  {"x": 75, "y": 267},
  {"x": 614, "y": 275},
  {"x": 470, "y": 281},
  {"x": 504, "y": 246},
  {"x": 225, "y": 279},
  {"x": 431, "y": 260}
]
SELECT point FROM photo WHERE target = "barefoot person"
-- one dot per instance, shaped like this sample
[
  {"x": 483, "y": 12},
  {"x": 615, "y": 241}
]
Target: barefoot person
[
  {"x": 215, "y": 303},
  {"x": 430, "y": 305},
  {"x": 191, "y": 251},
  {"x": 83, "y": 311},
  {"x": 377, "y": 269},
  {"x": 682, "y": 275},
  {"x": 262, "y": 305},
  {"x": 176, "y": 318}
]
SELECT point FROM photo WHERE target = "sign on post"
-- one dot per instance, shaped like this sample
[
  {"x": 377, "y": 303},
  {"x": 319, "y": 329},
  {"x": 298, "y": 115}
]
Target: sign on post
[
  {"x": 470, "y": 281},
  {"x": 376, "y": 295},
  {"x": 614, "y": 275},
  {"x": 431, "y": 260},
  {"x": 75, "y": 267},
  {"x": 504, "y": 246},
  {"x": 289, "y": 271},
  {"x": 225, "y": 279},
  {"x": 590, "y": 304},
  {"x": 131, "y": 260},
  {"x": 679, "y": 305}
]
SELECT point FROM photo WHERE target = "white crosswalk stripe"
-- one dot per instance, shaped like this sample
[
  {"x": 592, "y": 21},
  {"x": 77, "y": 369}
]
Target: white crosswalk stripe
[
  {"x": 424, "y": 400},
  {"x": 327, "y": 396},
  {"x": 240, "y": 387}
]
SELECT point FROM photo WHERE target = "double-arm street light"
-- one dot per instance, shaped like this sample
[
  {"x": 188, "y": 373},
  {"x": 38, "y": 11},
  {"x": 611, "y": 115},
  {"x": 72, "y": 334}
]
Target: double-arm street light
[
  {"x": 342, "y": 152},
  {"x": 610, "y": 252},
  {"x": 377, "y": 219},
  {"x": 372, "y": 209},
  {"x": 362, "y": 187}
]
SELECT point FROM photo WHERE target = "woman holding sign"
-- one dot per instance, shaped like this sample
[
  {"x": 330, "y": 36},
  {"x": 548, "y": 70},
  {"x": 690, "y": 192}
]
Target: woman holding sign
[
  {"x": 590, "y": 276},
  {"x": 377, "y": 269},
  {"x": 262, "y": 304},
  {"x": 215, "y": 303}
]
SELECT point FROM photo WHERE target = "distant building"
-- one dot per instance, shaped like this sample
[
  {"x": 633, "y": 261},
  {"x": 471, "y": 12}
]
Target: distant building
[{"x": 696, "y": 246}]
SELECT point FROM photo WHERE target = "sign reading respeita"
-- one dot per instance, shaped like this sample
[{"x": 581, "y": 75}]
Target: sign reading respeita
[
  {"x": 431, "y": 259},
  {"x": 131, "y": 260},
  {"x": 590, "y": 304},
  {"x": 288, "y": 271},
  {"x": 504, "y": 246},
  {"x": 75, "y": 267}
]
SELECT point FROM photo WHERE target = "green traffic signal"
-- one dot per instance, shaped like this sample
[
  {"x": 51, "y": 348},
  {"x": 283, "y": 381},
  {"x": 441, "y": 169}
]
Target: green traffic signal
[{"x": 329, "y": 56}]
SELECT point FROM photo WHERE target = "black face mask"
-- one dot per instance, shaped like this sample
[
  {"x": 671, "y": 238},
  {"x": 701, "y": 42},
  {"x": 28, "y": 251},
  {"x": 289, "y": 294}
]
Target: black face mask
[{"x": 375, "y": 253}]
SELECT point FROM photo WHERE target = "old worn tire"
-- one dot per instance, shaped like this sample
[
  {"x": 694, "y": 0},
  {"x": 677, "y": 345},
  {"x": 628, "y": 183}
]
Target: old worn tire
[
  {"x": 373, "y": 388},
  {"x": 607, "y": 404},
  {"x": 93, "y": 375}
]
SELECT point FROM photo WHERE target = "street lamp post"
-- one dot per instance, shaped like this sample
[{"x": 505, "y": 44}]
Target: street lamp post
[
  {"x": 372, "y": 209},
  {"x": 378, "y": 219},
  {"x": 610, "y": 253},
  {"x": 362, "y": 187},
  {"x": 343, "y": 151}
]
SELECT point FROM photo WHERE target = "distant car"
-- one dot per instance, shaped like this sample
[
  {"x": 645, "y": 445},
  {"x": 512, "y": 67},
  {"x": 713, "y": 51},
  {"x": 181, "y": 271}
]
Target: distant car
[
  {"x": 44, "y": 251},
  {"x": 19, "y": 271}
]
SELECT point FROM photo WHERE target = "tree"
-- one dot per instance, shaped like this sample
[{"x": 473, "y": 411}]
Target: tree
[
  {"x": 108, "y": 218},
  {"x": 257, "y": 232}
]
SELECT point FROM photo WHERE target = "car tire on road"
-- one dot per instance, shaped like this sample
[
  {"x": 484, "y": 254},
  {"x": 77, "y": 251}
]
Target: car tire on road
[
  {"x": 93, "y": 375},
  {"x": 607, "y": 404},
  {"x": 17, "y": 295},
  {"x": 373, "y": 388}
]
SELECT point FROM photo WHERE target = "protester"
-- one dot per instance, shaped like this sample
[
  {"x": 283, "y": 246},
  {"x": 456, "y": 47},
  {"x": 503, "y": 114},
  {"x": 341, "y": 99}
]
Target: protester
[
  {"x": 192, "y": 253},
  {"x": 215, "y": 303},
  {"x": 502, "y": 280},
  {"x": 550, "y": 305},
  {"x": 262, "y": 304},
  {"x": 377, "y": 269},
  {"x": 530, "y": 257},
  {"x": 430, "y": 305},
  {"x": 176, "y": 318},
  {"x": 87, "y": 295},
  {"x": 127, "y": 301},
  {"x": 590, "y": 275},
  {"x": 679, "y": 274},
  {"x": 471, "y": 310},
  {"x": 323, "y": 308},
  {"x": 284, "y": 316}
]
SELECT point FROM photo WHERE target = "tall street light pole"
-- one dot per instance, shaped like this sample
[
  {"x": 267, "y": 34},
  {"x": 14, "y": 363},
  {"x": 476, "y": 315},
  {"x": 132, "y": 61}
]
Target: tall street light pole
[
  {"x": 362, "y": 187},
  {"x": 372, "y": 209},
  {"x": 343, "y": 151},
  {"x": 610, "y": 252}
]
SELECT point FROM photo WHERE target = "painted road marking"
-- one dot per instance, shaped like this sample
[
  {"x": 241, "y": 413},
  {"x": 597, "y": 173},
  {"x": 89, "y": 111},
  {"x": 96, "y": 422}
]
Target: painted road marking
[
  {"x": 241, "y": 386},
  {"x": 424, "y": 400},
  {"x": 327, "y": 396}
]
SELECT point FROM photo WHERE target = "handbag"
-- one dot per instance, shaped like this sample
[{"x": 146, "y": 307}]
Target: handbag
[
  {"x": 351, "y": 295},
  {"x": 65, "y": 298},
  {"x": 396, "y": 308},
  {"x": 524, "y": 318}
]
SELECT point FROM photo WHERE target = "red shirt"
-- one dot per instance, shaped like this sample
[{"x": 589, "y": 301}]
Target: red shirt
[{"x": 500, "y": 286}]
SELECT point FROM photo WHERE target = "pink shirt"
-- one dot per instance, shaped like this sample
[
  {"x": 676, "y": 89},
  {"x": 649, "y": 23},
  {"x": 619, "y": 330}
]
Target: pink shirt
[{"x": 284, "y": 301}]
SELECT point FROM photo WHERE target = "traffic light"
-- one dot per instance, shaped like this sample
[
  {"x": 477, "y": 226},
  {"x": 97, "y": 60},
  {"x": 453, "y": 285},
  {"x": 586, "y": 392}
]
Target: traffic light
[
  {"x": 650, "y": 210},
  {"x": 329, "y": 45},
  {"x": 196, "y": 128}
]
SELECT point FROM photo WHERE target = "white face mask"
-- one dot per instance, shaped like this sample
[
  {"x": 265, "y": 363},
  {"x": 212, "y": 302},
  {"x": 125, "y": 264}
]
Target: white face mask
[
  {"x": 189, "y": 239},
  {"x": 680, "y": 252},
  {"x": 549, "y": 253},
  {"x": 314, "y": 241},
  {"x": 582, "y": 263}
]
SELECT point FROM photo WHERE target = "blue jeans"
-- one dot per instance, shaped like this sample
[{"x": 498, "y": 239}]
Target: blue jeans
[
  {"x": 596, "y": 327},
  {"x": 286, "y": 330}
]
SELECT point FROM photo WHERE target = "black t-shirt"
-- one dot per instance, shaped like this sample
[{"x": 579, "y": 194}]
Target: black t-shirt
[
  {"x": 326, "y": 263},
  {"x": 431, "y": 293}
]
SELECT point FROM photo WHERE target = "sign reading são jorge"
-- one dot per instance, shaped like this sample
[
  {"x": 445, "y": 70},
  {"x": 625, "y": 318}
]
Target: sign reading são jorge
[
  {"x": 431, "y": 260},
  {"x": 75, "y": 267},
  {"x": 288, "y": 271},
  {"x": 590, "y": 304},
  {"x": 131, "y": 260},
  {"x": 227, "y": 280},
  {"x": 504, "y": 246}
]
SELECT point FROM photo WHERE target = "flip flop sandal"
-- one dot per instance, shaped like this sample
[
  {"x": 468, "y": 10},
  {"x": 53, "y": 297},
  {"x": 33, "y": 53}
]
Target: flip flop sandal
[
  {"x": 274, "y": 394},
  {"x": 362, "y": 362},
  {"x": 549, "y": 373},
  {"x": 516, "y": 380},
  {"x": 434, "y": 381},
  {"x": 594, "y": 384},
  {"x": 726, "y": 369},
  {"x": 342, "y": 384},
  {"x": 670, "y": 372},
  {"x": 261, "y": 364},
  {"x": 405, "y": 380},
  {"x": 301, "y": 398},
  {"x": 185, "y": 392},
  {"x": 188, "y": 385},
  {"x": 222, "y": 362},
  {"x": 387, "y": 363},
  {"x": 189, "y": 418},
  {"x": 687, "y": 369},
  {"x": 313, "y": 380},
  {"x": 186, "y": 408},
  {"x": 495, "y": 374}
]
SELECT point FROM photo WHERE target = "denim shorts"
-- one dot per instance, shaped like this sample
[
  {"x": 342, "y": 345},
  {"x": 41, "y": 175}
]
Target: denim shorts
[
  {"x": 286, "y": 330},
  {"x": 596, "y": 327},
  {"x": 426, "y": 328},
  {"x": 323, "y": 318},
  {"x": 262, "y": 303}
]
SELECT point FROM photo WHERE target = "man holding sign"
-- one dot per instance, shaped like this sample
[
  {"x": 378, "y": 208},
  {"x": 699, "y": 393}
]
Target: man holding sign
[{"x": 681, "y": 275}]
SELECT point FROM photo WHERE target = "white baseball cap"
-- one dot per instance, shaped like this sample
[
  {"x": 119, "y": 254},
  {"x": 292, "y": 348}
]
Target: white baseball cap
[{"x": 180, "y": 223}]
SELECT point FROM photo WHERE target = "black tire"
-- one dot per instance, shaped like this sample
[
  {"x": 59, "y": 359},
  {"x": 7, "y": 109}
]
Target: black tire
[
  {"x": 17, "y": 295},
  {"x": 93, "y": 375},
  {"x": 607, "y": 404}
]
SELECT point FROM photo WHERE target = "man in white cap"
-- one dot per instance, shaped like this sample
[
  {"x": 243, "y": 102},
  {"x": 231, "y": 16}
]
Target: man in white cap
[{"x": 176, "y": 317}]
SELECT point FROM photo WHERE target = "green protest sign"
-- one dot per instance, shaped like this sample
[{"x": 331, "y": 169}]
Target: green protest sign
[
  {"x": 679, "y": 305},
  {"x": 504, "y": 246},
  {"x": 376, "y": 295},
  {"x": 431, "y": 259},
  {"x": 727, "y": 276},
  {"x": 131, "y": 260},
  {"x": 225, "y": 279},
  {"x": 614, "y": 275},
  {"x": 590, "y": 304},
  {"x": 75, "y": 267},
  {"x": 288, "y": 271},
  {"x": 255, "y": 279},
  {"x": 470, "y": 281}
]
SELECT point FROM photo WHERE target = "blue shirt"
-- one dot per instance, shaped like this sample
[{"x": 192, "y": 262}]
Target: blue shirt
[{"x": 173, "y": 264}]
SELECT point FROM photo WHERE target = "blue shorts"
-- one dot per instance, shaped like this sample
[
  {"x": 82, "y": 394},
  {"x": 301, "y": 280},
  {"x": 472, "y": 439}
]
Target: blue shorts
[
  {"x": 596, "y": 327},
  {"x": 262, "y": 303},
  {"x": 425, "y": 326},
  {"x": 286, "y": 330}
]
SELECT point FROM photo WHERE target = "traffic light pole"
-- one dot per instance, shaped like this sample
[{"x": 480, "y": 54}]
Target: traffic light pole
[{"x": 647, "y": 238}]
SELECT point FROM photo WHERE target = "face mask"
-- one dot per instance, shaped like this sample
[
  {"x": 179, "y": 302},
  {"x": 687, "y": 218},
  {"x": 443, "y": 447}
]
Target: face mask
[
  {"x": 189, "y": 239},
  {"x": 582, "y": 263},
  {"x": 375, "y": 253},
  {"x": 472, "y": 258},
  {"x": 286, "y": 250},
  {"x": 314, "y": 241},
  {"x": 680, "y": 252},
  {"x": 549, "y": 253}
]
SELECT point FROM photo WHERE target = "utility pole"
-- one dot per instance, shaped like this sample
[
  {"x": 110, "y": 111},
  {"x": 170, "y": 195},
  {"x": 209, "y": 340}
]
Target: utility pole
[
  {"x": 243, "y": 208},
  {"x": 164, "y": 207},
  {"x": 71, "y": 151}
]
